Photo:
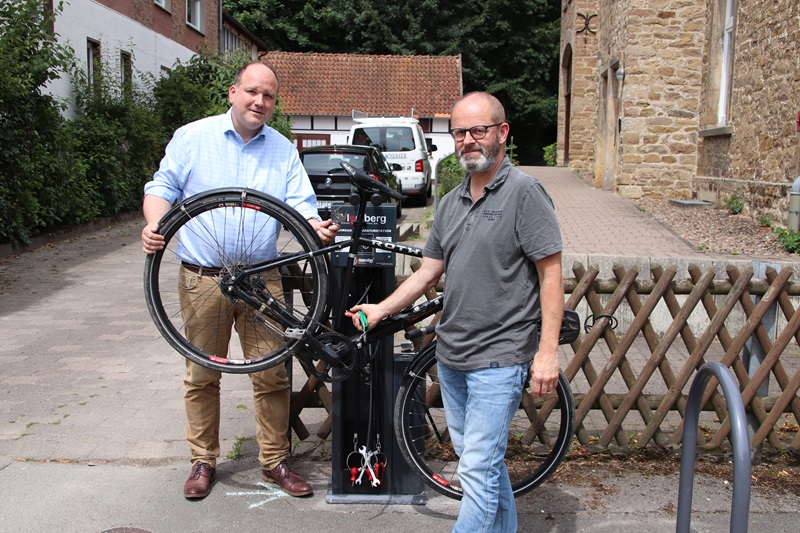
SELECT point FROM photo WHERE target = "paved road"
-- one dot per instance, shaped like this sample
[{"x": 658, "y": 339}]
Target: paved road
[{"x": 91, "y": 421}]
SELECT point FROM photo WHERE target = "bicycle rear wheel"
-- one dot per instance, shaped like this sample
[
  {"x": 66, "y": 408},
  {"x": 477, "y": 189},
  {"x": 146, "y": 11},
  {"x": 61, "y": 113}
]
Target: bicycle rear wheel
[
  {"x": 234, "y": 229},
  {"x": 538, "y": 439}
]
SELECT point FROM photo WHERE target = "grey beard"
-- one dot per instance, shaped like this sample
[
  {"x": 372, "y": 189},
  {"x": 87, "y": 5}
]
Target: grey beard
[{"x": 475, "y": 166}]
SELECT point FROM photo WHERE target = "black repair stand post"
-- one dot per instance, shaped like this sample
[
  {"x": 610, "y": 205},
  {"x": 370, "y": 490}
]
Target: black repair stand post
[{"x": 375, "y": 276}]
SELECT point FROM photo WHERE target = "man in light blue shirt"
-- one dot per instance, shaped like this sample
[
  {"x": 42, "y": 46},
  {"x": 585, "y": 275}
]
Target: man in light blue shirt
[{"x": 236, "y": 149}]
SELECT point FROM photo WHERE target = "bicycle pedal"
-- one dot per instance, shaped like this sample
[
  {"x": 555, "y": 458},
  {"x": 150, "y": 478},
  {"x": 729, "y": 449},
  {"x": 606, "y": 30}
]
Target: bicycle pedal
[{"x": 294, "y": 333}]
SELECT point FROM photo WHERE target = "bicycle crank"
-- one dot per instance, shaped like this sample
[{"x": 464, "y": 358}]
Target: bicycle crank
[{"x": 335, "y": 351}]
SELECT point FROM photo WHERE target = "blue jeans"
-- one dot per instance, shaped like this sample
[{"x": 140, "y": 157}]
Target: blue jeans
[{"x": 479, "y": 405}]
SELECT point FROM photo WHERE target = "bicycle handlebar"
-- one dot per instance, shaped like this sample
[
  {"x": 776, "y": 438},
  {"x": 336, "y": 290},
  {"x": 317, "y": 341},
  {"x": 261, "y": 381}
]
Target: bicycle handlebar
[{"x": 362, "y": 180}]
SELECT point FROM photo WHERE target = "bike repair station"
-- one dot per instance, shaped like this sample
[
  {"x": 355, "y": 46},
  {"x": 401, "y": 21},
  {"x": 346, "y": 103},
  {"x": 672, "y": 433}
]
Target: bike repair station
[{"x": 366, "y": 464}]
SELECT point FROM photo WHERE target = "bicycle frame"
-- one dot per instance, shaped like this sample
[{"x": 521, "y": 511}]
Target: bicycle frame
[{"x": 388, "y": 326}]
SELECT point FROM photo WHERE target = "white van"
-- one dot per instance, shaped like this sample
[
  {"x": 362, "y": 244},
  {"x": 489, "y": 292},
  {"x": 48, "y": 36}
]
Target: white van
[{"x": 401, "y": 140}]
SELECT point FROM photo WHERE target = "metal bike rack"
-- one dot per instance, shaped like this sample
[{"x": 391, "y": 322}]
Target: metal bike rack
[{"x": 740, "y": 506}]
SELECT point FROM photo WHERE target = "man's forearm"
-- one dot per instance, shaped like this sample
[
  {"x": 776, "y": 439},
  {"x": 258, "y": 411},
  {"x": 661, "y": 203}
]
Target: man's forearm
[
  {"x": 154, "y": 207},
  {"x": 552, "y": 303}
]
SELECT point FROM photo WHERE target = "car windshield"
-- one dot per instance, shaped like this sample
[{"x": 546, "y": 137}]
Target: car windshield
[
  {"x": 388, "y": 139},
  {"x": 330, "y": 163}
]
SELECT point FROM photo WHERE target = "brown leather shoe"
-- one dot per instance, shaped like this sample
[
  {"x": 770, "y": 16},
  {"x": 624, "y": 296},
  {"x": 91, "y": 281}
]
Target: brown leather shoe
[
  {"x": 199, "y": 483},
  {"x": 289, "y": 482}
]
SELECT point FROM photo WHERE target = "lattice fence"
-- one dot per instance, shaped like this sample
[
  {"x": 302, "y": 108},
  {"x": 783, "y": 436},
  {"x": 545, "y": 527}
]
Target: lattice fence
[{"x": 631, "y": 382}]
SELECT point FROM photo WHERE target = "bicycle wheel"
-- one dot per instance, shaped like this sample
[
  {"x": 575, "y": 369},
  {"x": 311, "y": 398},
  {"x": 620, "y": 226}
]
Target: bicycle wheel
[
  {"x": 538, "y": 439},
  {"x": 233, "y": 229}
]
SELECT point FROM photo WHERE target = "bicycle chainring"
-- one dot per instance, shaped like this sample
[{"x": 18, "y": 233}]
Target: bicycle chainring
[{"x": 323, "y": 370}]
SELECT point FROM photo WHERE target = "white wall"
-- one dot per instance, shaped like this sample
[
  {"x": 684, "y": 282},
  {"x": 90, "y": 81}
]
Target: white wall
[{"x": 86, "y": 19}]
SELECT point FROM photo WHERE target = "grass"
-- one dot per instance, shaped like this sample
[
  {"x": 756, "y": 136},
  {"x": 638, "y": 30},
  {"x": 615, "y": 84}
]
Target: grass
[{"x": 236, "y": 450}]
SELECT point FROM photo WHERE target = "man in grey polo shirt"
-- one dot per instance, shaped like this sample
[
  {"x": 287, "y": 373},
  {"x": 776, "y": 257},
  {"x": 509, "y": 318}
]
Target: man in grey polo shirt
[{"x": 497, "y": 238}]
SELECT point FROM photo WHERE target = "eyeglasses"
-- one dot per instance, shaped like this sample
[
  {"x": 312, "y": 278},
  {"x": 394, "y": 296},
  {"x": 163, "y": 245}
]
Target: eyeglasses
[{"x": 476, "y": 132}]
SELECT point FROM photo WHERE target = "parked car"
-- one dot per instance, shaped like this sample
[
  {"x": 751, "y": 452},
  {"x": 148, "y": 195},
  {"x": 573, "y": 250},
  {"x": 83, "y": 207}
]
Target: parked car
[
  {"x": 332, "y": 184},
  {"x": 402, "y": 141}
]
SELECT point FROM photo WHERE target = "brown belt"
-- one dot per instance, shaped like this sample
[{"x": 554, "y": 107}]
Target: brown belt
[{"x": 197, "y": 269}]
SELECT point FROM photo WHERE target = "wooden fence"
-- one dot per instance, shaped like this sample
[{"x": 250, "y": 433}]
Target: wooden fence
[
  {"x": 631, "y": 381},
  {"x": 638, "y": 379}
]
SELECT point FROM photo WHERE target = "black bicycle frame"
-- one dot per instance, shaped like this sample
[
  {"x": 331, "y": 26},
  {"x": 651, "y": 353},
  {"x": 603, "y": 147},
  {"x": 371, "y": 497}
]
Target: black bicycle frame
[{"x": 388, "y": 326}]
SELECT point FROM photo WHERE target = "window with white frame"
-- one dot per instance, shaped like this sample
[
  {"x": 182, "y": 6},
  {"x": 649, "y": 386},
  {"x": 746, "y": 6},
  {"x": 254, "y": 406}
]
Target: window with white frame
[
  {"x": 164, "y": 4},
  {"x": 720, "y": 63},
  {"x": 194, "y": 13}
]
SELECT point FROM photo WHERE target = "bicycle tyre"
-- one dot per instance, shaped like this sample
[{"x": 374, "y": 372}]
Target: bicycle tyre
[
  {"x": 421, "y": 431},
  {"x": 246, "y": 213}
]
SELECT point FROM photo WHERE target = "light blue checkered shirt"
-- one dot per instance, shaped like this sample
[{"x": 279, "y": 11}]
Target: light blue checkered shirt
[{"x": 209, "y": 154}]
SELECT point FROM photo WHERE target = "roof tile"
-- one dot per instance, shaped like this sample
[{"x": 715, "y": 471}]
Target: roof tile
[{"x": 382, "y": 85}]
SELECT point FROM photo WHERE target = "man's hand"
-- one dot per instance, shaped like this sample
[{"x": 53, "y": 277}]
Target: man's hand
[
  {"x": 374, "y": 313},
  {"x": 151, "y": 240},
  {"x": 153, "y": 208},
  {"x": 544, "y": 370},
  {"x": 326, "y": 229}
]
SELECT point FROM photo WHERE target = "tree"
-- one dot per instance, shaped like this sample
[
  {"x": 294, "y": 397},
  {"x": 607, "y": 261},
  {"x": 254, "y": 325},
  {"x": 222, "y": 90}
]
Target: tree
[{"x": 509, "y": 48}]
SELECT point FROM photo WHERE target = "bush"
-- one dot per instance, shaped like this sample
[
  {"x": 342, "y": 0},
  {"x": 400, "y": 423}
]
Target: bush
[
  {"x": 37, "y": 165},
  {"x": 56, "y": 172},
  {"x": 119, "y": 138},
  {"x": 551, "y": 154},
  {"x": 789, "y": 239},
  {"x": 450, "y": 175},
  {"x": 734, "y": 204}
]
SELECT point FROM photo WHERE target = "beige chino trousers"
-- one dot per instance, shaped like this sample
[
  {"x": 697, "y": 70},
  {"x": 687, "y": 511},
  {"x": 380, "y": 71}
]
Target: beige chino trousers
[{"x": 209, "y": 319}]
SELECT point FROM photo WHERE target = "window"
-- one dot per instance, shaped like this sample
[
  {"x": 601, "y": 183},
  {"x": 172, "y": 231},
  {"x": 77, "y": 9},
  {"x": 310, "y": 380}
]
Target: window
[
  {"x": 194, "y": 13},
  {"x": 164, "y": 4},
  {"x": 126, "y": 71},
  {"x": 93, "y": 63},
  {"x": 720, "y": 62}
]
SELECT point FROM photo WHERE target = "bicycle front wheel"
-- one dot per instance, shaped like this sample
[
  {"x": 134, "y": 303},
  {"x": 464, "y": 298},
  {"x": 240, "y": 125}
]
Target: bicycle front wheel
[
  {"x": 201, "y": 302},
  {"x": 538, "y": 439}
]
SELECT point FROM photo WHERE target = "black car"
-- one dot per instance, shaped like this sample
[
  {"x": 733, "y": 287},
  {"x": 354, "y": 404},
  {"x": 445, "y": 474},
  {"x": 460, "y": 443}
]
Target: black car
[{"x": 332, "y": 184}]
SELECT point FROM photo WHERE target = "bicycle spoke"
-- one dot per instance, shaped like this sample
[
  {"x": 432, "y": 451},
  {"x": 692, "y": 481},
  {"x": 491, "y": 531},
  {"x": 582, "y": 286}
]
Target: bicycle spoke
[
  {"x": 538, "y": 437},
  {"x": 205, "y": 305}
]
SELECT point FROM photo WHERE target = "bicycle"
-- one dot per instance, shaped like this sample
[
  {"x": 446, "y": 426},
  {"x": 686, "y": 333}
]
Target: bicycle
[{"x": 258, "y": 241}]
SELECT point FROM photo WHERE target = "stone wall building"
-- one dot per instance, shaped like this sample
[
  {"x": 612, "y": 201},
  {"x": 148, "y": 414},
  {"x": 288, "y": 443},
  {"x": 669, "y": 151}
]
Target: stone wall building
[{"x": 683, "y": 98}]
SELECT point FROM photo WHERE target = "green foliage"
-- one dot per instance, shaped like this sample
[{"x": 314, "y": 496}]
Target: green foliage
[
  {"x": 449, "y": 175},
  {"x": 734, "y": 204},
  {"x": 118, "y": 137},
  {"x": 37, "y": 165},
  {"x": 789, "y": 239},
  {"x": 765, "y": 221},
  {"x": 551, "y": 154}
]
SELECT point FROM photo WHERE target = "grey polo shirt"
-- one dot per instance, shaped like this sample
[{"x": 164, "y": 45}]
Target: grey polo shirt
[{"x": 489, "y": 247}]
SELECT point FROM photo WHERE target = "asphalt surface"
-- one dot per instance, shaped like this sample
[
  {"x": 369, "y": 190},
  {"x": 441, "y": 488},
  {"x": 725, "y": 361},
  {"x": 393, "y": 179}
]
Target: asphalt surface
[{"x": 91, "y": 411}]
